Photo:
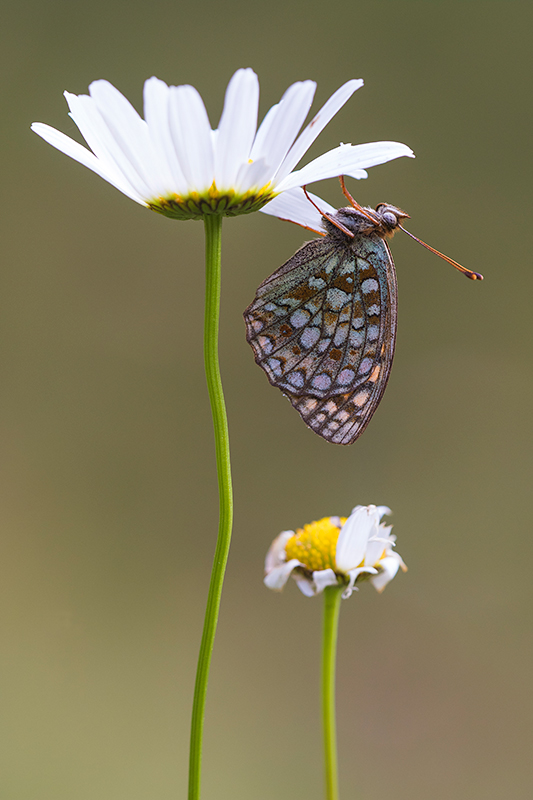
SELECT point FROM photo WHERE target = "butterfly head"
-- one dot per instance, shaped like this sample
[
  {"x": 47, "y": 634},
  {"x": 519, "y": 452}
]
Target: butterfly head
[{"x": 390, "y": 218}]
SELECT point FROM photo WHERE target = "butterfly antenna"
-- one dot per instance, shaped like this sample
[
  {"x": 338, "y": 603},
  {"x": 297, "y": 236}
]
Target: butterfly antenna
[
  {"x": 327, "y": 216},
  {"x": 474, "y": 276},
  {"x": 353, "y": 202}
]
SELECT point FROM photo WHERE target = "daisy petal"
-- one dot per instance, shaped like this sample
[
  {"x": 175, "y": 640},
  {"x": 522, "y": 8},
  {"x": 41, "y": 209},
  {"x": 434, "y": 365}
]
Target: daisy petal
[
  {"x": 237, "y": 127},
  {"x": 252, "y": 175},
  {"x": 83, "y": 156},
  {"x": 130, "y": 132},
  {"x": 304, "y": 585},
  {"x": 96, "y": 133},
  {"x": 191, "y": 133},
  {"x": 382, "y": 510},
  {"x": 389, "y": 566},
  {"x": 173, "y": 162},
  {"x": 317, "y": 125},
  {"x": 346, "y": 160},
  {"x": 293, "y": 206},
  {"x": 282, "y": 123},
  {"x": 377, "y": 545},
  {"x": 278, "y": 577},
  {"x": 157, "y": 115},
  {"x": 323, "y": 578},
  {"x": 276, "y": 552},
  {"x": 353, "y": 538},
  {"x": 354, "y": 573}
]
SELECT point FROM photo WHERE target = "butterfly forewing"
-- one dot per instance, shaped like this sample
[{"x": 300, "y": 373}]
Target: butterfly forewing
[{"x": 323, "y": 328}]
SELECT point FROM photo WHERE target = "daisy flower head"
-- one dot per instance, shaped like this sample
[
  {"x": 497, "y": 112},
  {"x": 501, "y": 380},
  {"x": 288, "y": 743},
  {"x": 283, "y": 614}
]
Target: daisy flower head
[
  {"x": 174, "y": 163},
  {"x": 335, "y": 551}
]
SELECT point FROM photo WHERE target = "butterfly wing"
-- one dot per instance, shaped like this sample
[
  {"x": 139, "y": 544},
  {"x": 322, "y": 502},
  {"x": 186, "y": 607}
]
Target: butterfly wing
[{"x": 323, "y": 328}]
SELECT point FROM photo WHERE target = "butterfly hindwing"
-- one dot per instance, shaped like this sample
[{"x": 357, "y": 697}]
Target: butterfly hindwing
[
  {"x": 323, "y": 329},
  {"x": 342, "y": 418}
]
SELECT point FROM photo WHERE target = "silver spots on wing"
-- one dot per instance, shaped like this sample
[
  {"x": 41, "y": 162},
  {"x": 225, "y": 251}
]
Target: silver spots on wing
[
  {"x": 365, "y": 366},
  {"x": 346, "y": 377},
  {"x": 309, "y": 337},
  {"x": 300, "y": 318},
  {"x": 370, "y": 285},
  {"x": 275, "y": 366},
  {"x": 336, "y": 299},
  {"x": 341, "y": 333},
  {"x": 317, "y": 283},
  {"x": 296, "y": 379},
  {"x": 266, "y": 344},
  {"x": 322, "y": 381},
  {"x": 323, "y": 329},
  {"x": 357, "y": 338}
]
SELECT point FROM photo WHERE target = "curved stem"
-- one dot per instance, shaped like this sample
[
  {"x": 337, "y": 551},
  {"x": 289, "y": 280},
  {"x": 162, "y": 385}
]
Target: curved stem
[
  {"x": 213, "y": 230},
  {"x": 332, "y": 599}
]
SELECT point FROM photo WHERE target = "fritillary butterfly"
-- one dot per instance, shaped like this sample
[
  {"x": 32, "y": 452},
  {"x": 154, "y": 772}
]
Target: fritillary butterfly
[{"x": 323, "y": 326}]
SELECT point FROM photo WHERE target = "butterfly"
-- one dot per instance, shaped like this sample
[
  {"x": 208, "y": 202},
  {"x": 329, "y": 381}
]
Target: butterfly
[{"x": 323, "y": 326}]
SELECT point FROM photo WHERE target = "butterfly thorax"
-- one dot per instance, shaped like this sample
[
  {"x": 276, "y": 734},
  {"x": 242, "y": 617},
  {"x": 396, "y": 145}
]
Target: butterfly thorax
[{"x": 383, "y": 221}]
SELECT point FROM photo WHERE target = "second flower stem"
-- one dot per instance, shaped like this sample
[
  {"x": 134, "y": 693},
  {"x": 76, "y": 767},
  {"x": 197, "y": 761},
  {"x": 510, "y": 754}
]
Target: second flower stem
[
  {"x": 332, "y": 600},
  {"x": 213, "y": 232}
]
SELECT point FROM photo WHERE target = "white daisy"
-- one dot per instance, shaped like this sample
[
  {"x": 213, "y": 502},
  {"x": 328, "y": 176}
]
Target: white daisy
[
  {"x": 174, "y": 163},
  {"x": 335, "y": 550}
]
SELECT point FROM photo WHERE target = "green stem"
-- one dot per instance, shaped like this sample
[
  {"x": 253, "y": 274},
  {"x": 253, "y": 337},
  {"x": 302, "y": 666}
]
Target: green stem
[
  {"x": 213, "y": 231},
  {"x": 332, "y": 600}
]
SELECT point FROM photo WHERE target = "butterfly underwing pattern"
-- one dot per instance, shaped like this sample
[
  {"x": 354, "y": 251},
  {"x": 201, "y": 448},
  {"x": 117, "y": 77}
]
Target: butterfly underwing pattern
[{"x": 323, "y": 326}]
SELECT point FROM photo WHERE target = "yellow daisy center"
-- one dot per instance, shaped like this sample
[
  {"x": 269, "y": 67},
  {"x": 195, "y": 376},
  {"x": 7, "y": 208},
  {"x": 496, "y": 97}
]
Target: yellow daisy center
[
  {"x": 229, "y": 203},
  {"x": 316, "y": 543}
]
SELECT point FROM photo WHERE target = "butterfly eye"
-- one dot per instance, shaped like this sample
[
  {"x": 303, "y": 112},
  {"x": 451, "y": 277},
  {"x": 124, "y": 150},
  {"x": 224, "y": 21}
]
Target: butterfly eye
[{"x": 390, "y": 219}]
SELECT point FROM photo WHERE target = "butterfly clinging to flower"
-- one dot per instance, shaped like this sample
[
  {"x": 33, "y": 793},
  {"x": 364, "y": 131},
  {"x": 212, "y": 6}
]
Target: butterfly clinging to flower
[{"x": 323, "y": 326}]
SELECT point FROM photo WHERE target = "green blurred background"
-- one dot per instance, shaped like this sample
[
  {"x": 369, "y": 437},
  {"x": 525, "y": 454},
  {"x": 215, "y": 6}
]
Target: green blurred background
[{"x": 109, "y": 509}]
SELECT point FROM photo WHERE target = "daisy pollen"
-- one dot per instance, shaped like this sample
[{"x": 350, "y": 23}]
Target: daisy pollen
[
  {"x": 174, "y": 163},
  {"x": 333, "y": 551}
]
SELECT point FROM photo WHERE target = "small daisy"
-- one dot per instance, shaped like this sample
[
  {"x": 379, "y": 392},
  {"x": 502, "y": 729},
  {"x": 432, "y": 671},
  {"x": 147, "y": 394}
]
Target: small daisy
[
  {"x": 174, "y": 163},
  {"x": 335, "y": 551}
]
